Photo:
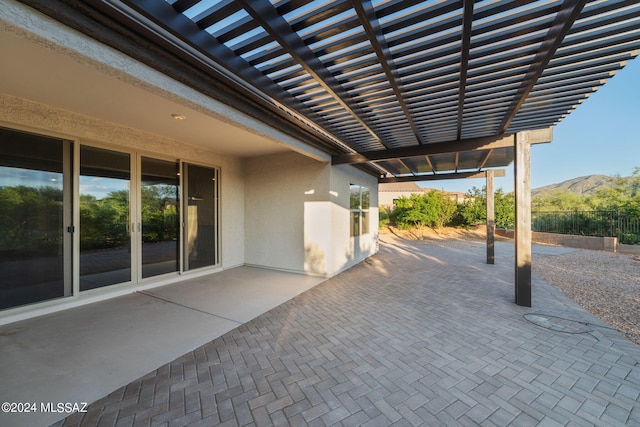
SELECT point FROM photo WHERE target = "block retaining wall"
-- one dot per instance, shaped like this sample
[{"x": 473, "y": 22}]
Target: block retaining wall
[{"x": 609, "y": 244}]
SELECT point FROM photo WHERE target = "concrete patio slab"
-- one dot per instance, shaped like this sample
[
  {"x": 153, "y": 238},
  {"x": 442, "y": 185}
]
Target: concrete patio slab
[
  {"x": 239, "y": 294},
  {"x": 81, "y": 354}
]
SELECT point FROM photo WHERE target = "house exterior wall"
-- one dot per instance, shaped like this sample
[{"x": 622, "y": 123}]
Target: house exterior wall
[
  {"x": 297, "y": 215},
  {"x": 277, "y": 189},
  {"x": 347, "y": 250}
]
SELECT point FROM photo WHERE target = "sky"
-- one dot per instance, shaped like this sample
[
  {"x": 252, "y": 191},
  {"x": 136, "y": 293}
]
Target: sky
[{"x": 601, "y": 136}]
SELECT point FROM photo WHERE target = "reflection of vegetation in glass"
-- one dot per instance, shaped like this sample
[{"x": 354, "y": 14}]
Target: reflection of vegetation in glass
[
  {"x": 359, "y": 203},
  {"x": 104, "y": 221},
  {"x": 159, "y": 213},
  {"x": 30, "y": 220},
  {"x": 366, "y": 198},
  {"x": 354, "y": 200}
]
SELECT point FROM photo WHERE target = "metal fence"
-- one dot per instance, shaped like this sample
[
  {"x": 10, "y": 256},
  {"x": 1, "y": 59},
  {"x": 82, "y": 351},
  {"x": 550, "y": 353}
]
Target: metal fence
[
  {"x": 629, "y": 229},
  {"x": 589, "y": 223}
]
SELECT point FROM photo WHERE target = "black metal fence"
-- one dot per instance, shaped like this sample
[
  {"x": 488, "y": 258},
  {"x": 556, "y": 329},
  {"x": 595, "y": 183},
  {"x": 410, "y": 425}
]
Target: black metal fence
[{"x": 589, "y": 223}]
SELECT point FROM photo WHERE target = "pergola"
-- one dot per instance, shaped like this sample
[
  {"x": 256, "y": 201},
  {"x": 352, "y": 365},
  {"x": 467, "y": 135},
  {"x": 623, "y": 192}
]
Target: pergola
[{"x": 407, "y": 90}]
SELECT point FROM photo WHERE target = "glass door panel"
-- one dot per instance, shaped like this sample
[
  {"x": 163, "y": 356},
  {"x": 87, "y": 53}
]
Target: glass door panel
[
  {"x": 34, "y": 207},
  {"x": 201, "y": 214},
  {"x": 105, "y": 235},
  {"x": 160, "y": 216}
]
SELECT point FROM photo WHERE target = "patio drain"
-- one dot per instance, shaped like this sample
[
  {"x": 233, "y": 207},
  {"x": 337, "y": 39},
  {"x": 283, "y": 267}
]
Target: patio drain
[{"x": 559, "y": 324}]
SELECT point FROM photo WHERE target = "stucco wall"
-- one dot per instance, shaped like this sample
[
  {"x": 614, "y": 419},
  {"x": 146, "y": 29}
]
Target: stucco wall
[
  {"x": 346, "y": 250},
  {"x": 297, "y": 215},
  {"x": 17, "y": 19},
  {"x": 277, "y": 189}
]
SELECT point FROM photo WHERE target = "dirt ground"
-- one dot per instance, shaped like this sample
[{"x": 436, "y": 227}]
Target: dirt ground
[{"x": 428, "y": 233}]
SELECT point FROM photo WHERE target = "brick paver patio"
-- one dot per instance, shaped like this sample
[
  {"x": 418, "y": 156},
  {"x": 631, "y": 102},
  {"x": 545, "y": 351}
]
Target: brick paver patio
[{"x": 417, "y": 335}]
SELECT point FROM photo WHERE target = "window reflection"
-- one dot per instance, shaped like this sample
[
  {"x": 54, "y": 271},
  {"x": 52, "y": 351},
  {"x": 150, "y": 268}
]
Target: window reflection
[
  {"x": 31, "y": 219},
  {"x": 105, "y": 244},
  {"x": 160, "y": 217},
  {"x": 359, "y": 204}
]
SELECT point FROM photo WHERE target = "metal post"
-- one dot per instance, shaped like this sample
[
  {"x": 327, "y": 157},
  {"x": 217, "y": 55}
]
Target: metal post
[
  {"x": 490, "y": 219},
  {"x": 522, "y": 173}
]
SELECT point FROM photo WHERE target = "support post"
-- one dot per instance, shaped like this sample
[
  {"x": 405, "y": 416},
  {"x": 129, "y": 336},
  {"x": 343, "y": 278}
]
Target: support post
[
  {"x": 491, "y": 213},
  {"x": 522, "y": 177}
]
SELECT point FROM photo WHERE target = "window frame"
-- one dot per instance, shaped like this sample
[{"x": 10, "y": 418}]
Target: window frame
[{"x": 359, "y": 210}]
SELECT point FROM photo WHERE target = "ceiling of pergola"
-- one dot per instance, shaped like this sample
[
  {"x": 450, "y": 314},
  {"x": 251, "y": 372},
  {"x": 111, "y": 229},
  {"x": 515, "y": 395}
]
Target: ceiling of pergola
[{"x": 401, "y": 77}]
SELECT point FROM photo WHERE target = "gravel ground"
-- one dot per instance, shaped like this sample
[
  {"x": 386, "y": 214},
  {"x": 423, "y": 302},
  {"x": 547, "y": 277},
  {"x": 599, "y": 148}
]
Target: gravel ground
[{"x": 603, "y": 283}]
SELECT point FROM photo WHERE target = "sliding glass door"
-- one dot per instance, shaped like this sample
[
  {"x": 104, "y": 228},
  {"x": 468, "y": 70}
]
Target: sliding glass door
[
  {"x": 105, "y": 217},
  {"x": 35, "y": 210},
  {"x": 201, "y": 216},
  {"x": 160, "y": 216},
  {"x": 133, "y": 219}
]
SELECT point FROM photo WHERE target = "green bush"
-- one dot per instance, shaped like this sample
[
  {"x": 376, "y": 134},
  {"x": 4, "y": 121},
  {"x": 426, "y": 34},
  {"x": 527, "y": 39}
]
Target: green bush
[
  {"x": 384, "y": 217},
  {"x": 433, "y": 209},
  {"x": 474, "y": 210},
  {"x": 630, "y": 239}
]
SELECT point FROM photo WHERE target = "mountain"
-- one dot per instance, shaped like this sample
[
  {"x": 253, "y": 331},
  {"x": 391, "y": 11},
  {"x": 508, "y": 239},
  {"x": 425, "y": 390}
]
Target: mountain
[{"x": 584, "y": 185}]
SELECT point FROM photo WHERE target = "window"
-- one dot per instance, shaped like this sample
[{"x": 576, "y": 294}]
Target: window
[
  {"x": 35, "y": 209},
  {"x": 359, "y": 204},
  {"x": 160, "y": 216},
  {"x": 201, "y": 216},
  {"x": 105, "y": 218},
  {"x": 132, "y": 221}
]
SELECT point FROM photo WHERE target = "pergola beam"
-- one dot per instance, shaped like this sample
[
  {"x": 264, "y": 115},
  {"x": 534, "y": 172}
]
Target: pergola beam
[
  {"x": 569, "y": 12},
  {"x": 371, "y": 26},
  {"x": 263, "y": 12},
  {"x": 467, "y": 19},
  {"x": 539, "y": 136},
  {"x": 440, "y": 176}
]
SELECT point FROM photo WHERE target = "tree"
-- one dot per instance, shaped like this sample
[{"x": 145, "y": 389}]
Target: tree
[
  {"x": 560, "y": 200},
  {"x": 434, "y": 209},
  {"x": 505, "y": 214},
  {"x": 474, "y": 210},
  {"x": 623, "y": 196}
]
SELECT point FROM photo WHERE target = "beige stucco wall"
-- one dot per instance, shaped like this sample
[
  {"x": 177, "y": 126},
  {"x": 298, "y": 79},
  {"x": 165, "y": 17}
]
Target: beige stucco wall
[
  {"x": 277, "y": 190},
  {"x": 297, "y": 215},
  {"x": 348, "y": 251}
]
